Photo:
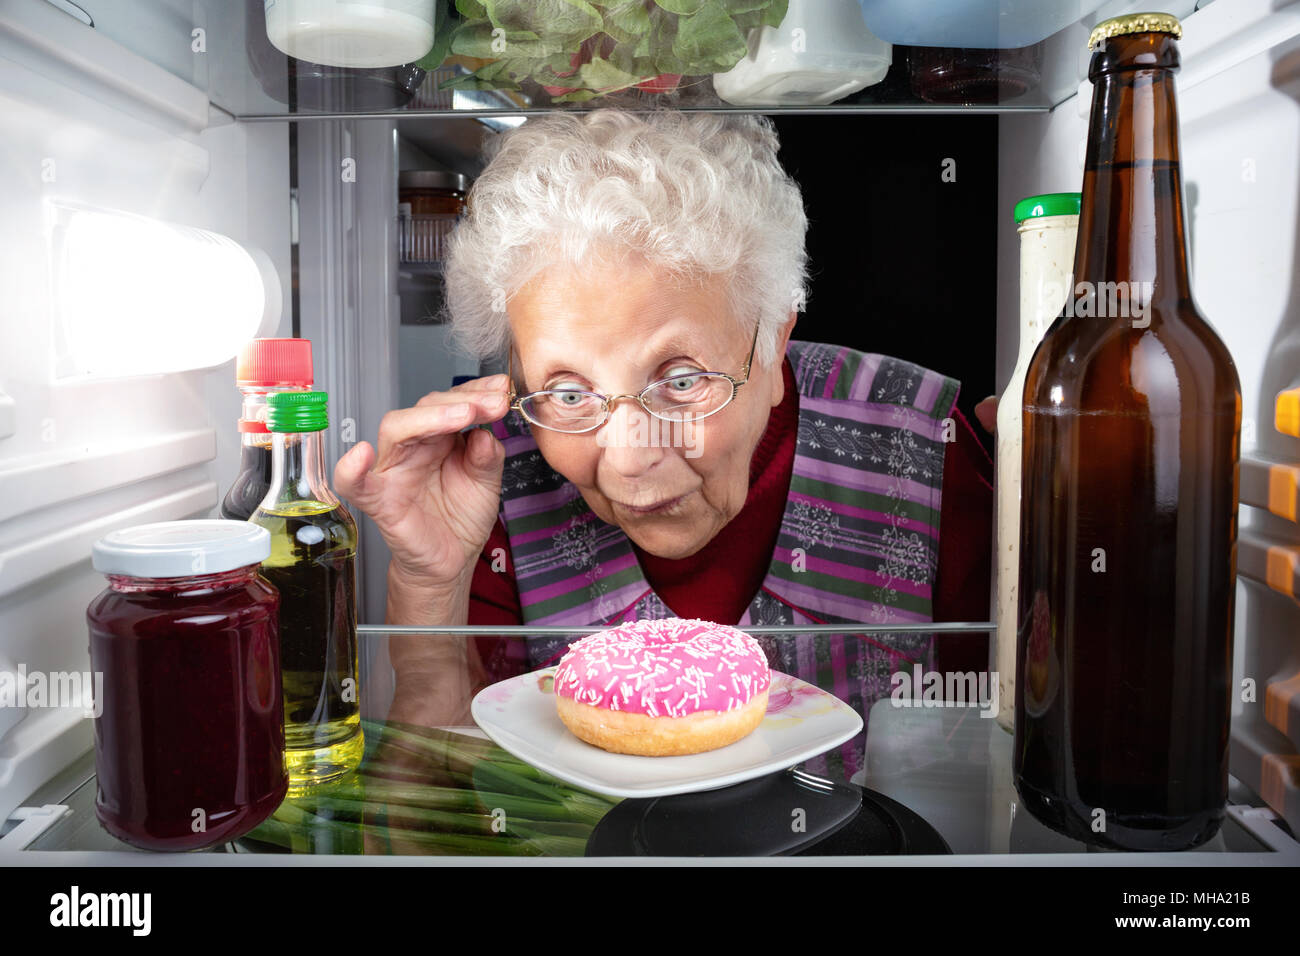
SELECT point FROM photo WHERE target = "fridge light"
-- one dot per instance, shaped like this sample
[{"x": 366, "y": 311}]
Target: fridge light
[{"x": 136, "y": 296}]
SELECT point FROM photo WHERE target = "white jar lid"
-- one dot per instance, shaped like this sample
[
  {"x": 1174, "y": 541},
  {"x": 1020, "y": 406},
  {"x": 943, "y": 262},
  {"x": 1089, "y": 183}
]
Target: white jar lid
[{"x": 181, "y": 549}]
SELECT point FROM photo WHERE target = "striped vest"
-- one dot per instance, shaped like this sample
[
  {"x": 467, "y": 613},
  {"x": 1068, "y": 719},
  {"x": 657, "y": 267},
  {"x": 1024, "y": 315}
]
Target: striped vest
[{"x": 859, "y": 538}]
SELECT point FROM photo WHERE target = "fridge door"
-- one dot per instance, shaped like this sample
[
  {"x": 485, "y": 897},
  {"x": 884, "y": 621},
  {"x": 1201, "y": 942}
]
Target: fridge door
[{"x": 112, "y": 165}]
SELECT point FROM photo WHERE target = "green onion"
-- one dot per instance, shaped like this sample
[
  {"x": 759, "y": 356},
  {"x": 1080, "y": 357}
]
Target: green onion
[
  {"x": 442, "y": 804},
  {"x": 348, "y": 837},
  {"x": 399, "y": 817},
  {"x": 560, "y": 807}
]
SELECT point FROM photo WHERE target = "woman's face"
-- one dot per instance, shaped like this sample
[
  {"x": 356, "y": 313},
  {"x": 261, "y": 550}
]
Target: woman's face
[{"x": 614, "y": 330}]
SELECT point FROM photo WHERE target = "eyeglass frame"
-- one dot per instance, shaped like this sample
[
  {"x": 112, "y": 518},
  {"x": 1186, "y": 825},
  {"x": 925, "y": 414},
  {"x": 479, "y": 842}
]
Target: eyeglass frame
[{"x": 607, "y": 401}]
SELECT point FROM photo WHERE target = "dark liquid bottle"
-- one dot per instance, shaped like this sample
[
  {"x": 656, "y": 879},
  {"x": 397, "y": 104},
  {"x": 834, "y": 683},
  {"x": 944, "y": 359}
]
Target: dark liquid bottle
[
  {"x": 252, "y": 483},
  {"x": 1132, "y": 415},
  {"x": 265, "y": 366}
]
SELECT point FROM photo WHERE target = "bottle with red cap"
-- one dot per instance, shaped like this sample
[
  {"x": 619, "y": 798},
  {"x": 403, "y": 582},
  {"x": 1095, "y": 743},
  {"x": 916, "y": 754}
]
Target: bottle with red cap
[{"x": 265, "y": 366}]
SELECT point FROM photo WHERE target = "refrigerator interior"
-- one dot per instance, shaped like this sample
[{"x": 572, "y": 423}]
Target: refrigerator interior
[{"x": 131, "y": 118}]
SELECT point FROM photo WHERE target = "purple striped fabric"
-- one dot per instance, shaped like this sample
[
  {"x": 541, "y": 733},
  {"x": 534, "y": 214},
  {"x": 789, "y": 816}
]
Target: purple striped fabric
[
  {"x": 864, "y": 560},
  {"x": 861, "y": 387},
  {"x": 859, "y": 480}
]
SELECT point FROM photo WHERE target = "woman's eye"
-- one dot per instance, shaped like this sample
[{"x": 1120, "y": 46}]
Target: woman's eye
[
  {"x": 569, "y": 394},
  {"x": 682, "y": 380}
]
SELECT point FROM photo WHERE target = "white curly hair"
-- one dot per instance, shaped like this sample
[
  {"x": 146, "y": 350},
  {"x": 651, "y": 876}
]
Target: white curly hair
[{"x": 698, "y": 194}]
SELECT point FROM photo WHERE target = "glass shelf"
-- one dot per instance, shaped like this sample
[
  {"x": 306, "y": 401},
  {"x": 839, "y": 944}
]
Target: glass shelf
[
  {"x": 935, "y": 781},
  {"x": 946, "y": 764},
  {"x": 223, "y": 49}
]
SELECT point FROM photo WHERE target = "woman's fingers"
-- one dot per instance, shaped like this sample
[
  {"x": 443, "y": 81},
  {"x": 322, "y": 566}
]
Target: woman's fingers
[
  {"x": 351, "y": 471},
  {"x": 987, "y": 413},
  {"x": 422, "y": 423},
  {"x": 484, "y": 456},
  {"x": 438, "y": 420},
  {"x": 487, "y": 384}
]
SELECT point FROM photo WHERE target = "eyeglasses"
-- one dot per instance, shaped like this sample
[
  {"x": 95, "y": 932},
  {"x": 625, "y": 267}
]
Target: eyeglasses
[{"x": 680, "y": 398}]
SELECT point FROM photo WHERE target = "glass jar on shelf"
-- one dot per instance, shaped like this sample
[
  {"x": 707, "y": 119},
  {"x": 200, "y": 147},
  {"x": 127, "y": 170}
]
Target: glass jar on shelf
[
  {"x": 430, "y": 202},
  {"x": 974, "y": 77},
  {"x": 189, "y": 725}
]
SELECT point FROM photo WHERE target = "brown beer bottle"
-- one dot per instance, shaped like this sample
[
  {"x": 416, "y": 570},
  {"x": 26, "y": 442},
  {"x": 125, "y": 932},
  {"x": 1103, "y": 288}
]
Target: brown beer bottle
[{"x": 1128, "y": 528}]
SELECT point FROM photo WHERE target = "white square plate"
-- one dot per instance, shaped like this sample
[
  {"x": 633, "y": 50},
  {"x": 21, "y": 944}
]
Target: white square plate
[{"x": 801, "y": 721}]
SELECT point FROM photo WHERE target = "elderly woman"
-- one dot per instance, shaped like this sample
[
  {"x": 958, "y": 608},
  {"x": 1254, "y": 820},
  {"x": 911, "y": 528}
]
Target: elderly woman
[{"x": 661, "y": 446}]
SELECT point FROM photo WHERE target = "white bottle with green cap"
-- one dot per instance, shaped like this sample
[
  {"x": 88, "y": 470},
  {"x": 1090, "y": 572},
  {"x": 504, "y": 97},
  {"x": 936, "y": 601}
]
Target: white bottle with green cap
[
  {"x": 313, "y": 565},
  {"x": 1048, "y": 225}
]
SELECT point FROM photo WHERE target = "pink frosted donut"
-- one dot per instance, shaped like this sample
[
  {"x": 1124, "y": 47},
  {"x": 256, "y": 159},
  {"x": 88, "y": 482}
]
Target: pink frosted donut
[{"x": 676, "y": 686}]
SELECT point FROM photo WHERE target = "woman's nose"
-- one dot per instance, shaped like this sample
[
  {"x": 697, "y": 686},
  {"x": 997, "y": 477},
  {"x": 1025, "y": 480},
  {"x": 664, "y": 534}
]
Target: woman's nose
[{"x": 630, "y": 441}]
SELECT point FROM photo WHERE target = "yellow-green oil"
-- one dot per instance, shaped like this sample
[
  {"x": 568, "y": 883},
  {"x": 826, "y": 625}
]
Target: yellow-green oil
[{"x": 313, "y": 566}]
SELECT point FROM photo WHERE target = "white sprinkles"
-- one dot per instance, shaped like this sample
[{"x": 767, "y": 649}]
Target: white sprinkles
[{"x": 673, "y": 667}]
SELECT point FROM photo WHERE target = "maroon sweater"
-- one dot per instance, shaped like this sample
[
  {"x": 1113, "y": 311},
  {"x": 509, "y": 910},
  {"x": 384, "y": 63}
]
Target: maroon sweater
[{"x": 720, "y": 580}]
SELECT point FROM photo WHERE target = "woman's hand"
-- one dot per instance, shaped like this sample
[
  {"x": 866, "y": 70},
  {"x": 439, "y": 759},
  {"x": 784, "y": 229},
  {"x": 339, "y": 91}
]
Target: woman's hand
[
  {"x": 433, "y": 492},
  {"x": 986, "y": 411}
]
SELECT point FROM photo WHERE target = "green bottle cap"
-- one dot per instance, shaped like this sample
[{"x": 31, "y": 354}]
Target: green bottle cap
[
  {"x": 1048, "y": 204},
  {"x": 297, "y": 411}
]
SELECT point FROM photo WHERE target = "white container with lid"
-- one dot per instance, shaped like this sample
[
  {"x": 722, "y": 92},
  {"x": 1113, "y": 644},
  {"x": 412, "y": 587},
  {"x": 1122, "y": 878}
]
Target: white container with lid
[
  {"x": 181, "y": 549},
  {"x": 822, "y": 52},
  {"x": 1048, "y": 225},
  {"x": 351, "y": 33}
]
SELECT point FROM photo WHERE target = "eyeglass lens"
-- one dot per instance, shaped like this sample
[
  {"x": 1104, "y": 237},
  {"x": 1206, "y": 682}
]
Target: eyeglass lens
[{"x": 683, "y": 398}]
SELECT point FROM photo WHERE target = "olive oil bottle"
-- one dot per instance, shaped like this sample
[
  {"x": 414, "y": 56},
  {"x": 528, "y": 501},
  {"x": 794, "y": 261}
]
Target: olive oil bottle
[{"x": 313, "y": 565}]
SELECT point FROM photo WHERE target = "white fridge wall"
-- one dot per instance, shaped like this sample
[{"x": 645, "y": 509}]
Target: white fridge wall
[
  {"x": 84, "y": 120},
  {"x": 349, "y": 308},
  {"x": 1239, "y": 103}
]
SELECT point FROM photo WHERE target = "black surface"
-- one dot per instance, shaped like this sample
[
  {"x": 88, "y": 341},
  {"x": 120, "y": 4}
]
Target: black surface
[
  {"x": 902, "y": 243},
  {"x": 882, "y": 827},
  {"x": 757, "y": 817}
]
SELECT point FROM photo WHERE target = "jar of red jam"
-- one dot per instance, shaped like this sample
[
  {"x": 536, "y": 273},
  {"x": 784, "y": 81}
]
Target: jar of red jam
[{"x": 189, "y": 743}]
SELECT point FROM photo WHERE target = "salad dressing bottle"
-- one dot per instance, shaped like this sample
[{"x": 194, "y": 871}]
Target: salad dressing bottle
[{"x": 1047, "y": 225}]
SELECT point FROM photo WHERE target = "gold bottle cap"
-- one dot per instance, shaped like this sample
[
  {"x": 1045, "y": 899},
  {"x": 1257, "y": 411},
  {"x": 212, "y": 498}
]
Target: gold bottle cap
[{"x": 1135, "y": 23}]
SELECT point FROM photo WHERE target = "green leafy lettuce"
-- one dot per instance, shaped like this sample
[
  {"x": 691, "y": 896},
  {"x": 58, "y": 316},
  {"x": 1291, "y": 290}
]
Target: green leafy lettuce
[{"x": 589, "y": 48}]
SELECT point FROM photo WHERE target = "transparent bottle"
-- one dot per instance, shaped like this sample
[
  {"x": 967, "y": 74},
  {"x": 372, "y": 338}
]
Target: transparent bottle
[{"x": 313, "y": 566}]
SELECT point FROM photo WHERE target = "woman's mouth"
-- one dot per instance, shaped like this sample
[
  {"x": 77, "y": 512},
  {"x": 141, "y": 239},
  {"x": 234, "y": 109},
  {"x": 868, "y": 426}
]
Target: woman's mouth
[{"x": 661, "y": 507}]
